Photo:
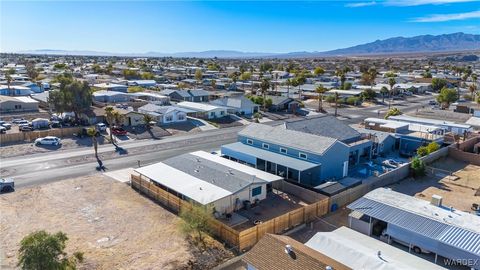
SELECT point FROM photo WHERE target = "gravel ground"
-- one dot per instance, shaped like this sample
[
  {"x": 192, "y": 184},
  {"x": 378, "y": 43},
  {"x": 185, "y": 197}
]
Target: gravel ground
[
  {"x": 113, "y": 225},
  {"x": 20, "y": 149},
  {"x": 459, "y": 193}
]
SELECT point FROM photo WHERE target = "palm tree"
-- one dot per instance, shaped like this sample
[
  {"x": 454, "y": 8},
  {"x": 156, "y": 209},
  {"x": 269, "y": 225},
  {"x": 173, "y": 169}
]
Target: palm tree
[
  {"x": 383, "y": 91},
  {"x": 119, "y": 118},
  {"x": 301, "y": 80},
  {"x": 92, "y": 132},
  {"x": 110, "y": 119},
  {"x": 288, "y": 83},
  {"x": 320, "y": 91},
  {"x": 336, "y": 103},
  {"x": 264, "y": 85},
  {"x": 9, "y": 80},
  {"x": 391, "y": 82},
  {"x": 147, "y": 119}
]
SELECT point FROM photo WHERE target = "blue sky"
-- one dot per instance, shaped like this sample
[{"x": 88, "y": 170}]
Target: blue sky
[{"x": 267, "y": 26}]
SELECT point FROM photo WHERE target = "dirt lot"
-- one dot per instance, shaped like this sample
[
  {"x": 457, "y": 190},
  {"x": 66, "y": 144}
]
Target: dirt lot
[
  {"x": 113, "y": 225},
  {"x": 457, "y": 191},
  {"x": 20, "y": 149}
]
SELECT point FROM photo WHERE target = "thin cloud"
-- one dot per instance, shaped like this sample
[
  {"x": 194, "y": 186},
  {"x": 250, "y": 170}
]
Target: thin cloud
[
  {"x": 448, "y": 17},
  {"x": 408, "y": 3},
  {"x": 361, "y": 4}
]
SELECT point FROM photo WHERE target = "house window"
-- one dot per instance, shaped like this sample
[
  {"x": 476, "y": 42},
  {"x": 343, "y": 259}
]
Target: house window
[
  {"x": 302, "y": 155},
  {"x": 249, "y": 141},
  {"x": 283, "y": 150},
  {"x": 222, "y": 113},
  {"x": 212, "y": 114},
  {"x": 266, "y": 146},
  {"x": 169, "y": 118},
  {"x": 181, "y": 117},
  {"x": 256, "y": 191}
]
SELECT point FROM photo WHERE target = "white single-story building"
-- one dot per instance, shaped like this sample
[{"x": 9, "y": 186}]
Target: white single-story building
[
  {"x": 204, "y": 110},
  {"x": 112, "y": 87},
  {"x": 209, "y": 180},
  {"x": 165, "y": 114}
]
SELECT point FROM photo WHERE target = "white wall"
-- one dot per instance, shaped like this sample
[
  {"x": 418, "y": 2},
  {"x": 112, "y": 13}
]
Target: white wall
[{"x": 227, "y": 204}]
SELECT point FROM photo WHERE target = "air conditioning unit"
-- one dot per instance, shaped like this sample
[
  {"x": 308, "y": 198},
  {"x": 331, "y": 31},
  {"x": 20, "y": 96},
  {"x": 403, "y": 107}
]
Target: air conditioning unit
[{"x": 436, "y": 200}]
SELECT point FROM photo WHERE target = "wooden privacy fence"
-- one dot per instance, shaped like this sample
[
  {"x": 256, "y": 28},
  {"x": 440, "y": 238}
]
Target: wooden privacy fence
[
  {"x": 32, "y": 135},
  {"x": 244, "y": 239}
]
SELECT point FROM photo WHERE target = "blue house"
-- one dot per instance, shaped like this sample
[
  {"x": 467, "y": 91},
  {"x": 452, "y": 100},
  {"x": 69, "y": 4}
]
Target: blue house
[
  {"x": 301, "y": 157},
  {"x": 360, "y": 146},
  {"x": 310, "y": 152}
]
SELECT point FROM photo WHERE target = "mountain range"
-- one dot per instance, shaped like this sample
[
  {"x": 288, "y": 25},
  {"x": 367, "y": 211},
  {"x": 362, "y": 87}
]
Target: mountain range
[{"x": 418, "y": 44}]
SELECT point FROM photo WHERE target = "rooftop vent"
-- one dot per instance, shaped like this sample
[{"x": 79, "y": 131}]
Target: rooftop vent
[
  {"x": 196, "y": 170},
  {"x": 436, "y": 200},
  {"x": 288, "y": 249},
  {"x": 328, "y": 267}
]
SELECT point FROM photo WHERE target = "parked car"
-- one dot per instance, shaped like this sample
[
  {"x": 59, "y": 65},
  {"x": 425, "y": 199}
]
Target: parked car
[
  {"x": 432, "y": 102},
  {"x": 5, "y": 125},
  {"x": 49, "y": 140},
  {"x": 55, "y": 124},
  {"x": 18, "y": 121},
  {"x": 25, "y": 127},
  {"x": 118, "y": 131},
  {"x": 101, "y": 127},
  {"x": 21, "y": 122},
  {"x": 7, "y": 185},
  {"x": 3, "y": 130},
  {"x": 416, "y": 249}
]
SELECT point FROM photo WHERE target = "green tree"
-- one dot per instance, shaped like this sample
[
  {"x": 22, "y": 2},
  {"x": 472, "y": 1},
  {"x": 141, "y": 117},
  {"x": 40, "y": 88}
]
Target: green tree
[
  {"x": 392, "y": 112},
  {"x": 418, "y": 167},
  {"x": 422, "y": 151},
  {"x": 196, "y": 222},
  {"x": 384, "y": 91},
  {"x": 31, "y": 71},
  {"x": 432, "y": 147},
  {"x": 391, "y": 82},
  {"x": 369, "y": 94},
  {"x": 214, "y": 84},
  {"x": 447, "y": 96},
  {"x": 130, "y": 74},
  {"x": 148, "y": 76},
  {"x": 92, "y": 132},
  {"x": 320, "y": 91},
  {"x": 110, "y": 119},
  {"x": 198, "y": 75},
  {"x": 44, "y": 251},
  {"x": 264, "y": 86},
  {"x": 73, "y": 96},
  {"x": 438, "y": 84},
  {"x": 318, "y": 71},
  {"x": 148, "y": 119}
]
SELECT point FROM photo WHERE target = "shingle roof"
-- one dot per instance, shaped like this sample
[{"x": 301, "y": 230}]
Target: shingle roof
[
  {"x": 212, "y": 172},
  {"x": 290, "y": 138},
  {"x": 327, "y": 126},
  {"x": 234, "y": 102},
  {"x": 269, "y": 253}
]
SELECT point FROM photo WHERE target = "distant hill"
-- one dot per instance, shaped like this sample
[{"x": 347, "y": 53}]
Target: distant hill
[
  {"x": 425, "y": 43},
  {"x": 396, "y": 45}
]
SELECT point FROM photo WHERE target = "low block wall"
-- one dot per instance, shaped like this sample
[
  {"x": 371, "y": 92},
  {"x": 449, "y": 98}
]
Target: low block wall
[{"x": 30, "y": 136}]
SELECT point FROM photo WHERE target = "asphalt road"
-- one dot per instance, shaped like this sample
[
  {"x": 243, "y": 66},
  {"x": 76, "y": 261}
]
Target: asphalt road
[{"x": 63, "y": 164}]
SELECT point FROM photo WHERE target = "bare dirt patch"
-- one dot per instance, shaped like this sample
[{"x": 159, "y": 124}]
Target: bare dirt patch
[
  {"x": 457, "y": 190},
  {"x": 113, "y": 225}
]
